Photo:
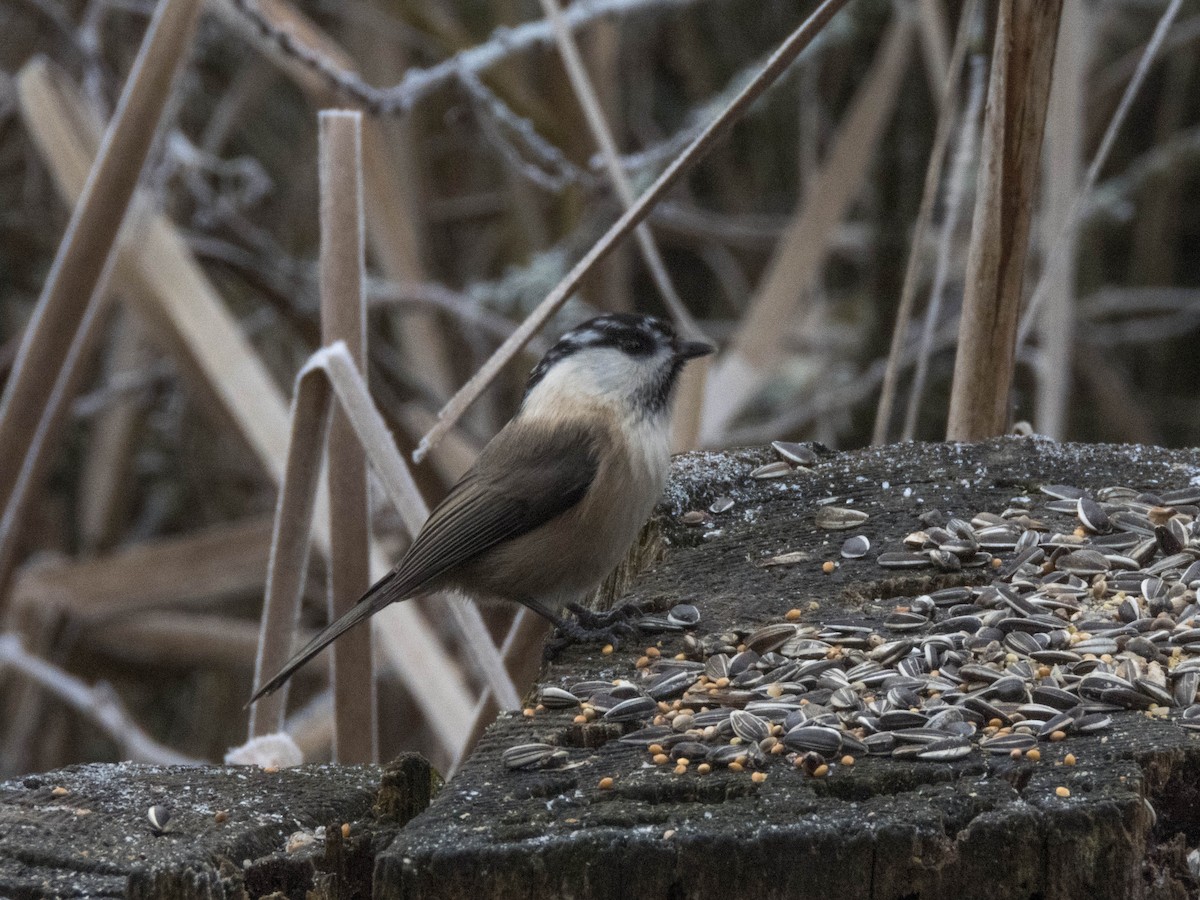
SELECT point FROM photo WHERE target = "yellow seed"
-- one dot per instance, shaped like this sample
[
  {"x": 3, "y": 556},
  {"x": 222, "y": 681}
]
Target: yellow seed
[
  {"x": 589, "y": 714},
  {"x": 997, "y": 562},
  {"x": 60, "y": 791},
  {"x": 655, "y": 749},
  {"x": 681, "y": 656},
  {"x": 821, "y": 771},
  {"x": 1058, "y": 735},
  {"x": 847, "y": 760},
  {"x": 735, "y": 766},
  {"x": 653, "y": 652},
  {"x": 221, "y": 816},
  {"x": 722, "y": 682},
  {"x": 661, "y": 759},
  {"x": 668, "y": 834},
  {"x": 643, "y": 662},
  {"x": 606, "y": 783},
  {"x": 1014, "y": 753},
  {"x": 828, "y": 566},
  {"x": 1062, "y": 792},
  {"x": 270, "y": 770},
  {"x": 758, "y": 777},
  {"x": 608, "y": 649},
  {"x": 683, "y": 761},
  {"x": 345, "y": 829},
  {"x": 680, "y": 770},
  {"x": 792, "y": 615},
  {"x": 1069, "y": 759},
  {"x": 704, "y": 768},
  {"x": 1033, "y": 753},
  {"x": 528, "y": 713}
]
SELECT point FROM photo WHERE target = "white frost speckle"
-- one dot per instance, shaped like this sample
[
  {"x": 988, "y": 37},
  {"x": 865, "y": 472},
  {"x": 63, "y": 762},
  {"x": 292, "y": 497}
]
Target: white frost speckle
[
  {"x": 886, "y": 485},
  {"x": 907, "y": 492}
]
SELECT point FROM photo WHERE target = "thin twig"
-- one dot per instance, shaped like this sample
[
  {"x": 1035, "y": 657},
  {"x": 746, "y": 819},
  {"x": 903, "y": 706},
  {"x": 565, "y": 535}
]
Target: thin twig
[
  {"x": 933, "y": 179},
  {"x": 418, "y": 84},
  {"x": 99, "y": 704},
  {"x": 776, "y": 65}
]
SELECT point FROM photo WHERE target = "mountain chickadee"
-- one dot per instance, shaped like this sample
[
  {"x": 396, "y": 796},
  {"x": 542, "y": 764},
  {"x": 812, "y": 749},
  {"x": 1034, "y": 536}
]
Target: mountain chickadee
[{"x": 553, "y": 502}]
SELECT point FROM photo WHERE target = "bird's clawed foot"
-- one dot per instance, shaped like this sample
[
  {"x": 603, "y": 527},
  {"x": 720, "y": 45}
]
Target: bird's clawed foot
[{"x": 589, "y": 626}]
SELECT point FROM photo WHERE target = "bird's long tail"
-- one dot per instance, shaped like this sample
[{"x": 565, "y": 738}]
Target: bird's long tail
[{"x": 373, "y": 601}]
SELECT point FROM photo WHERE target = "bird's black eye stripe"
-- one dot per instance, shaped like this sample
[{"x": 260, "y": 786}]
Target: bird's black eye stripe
[{"x": 634, "y": 335}]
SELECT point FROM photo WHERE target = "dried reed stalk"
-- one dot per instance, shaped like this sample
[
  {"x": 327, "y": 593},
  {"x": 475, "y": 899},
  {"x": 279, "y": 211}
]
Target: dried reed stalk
[
  {"x": 402, "y": 491},
  {"x": 84, "y": 252},
  {"x": 774, "y": 67},
  {"x": 344, "y": 318},
  {"x": 1022, "y": 60},
  {"x": 758, "y": 344},
  {"x": 417, "y": 655},
  {"x": 157, "y": 273},
  {"x": 1064, "y": 164},
  {"x": 935, "y": 44},
  {"x": 933, "y": 179}
]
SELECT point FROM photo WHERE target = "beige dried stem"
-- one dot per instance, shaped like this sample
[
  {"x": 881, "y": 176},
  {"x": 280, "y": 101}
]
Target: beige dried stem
[
  {"x": 758, "y": 346},
  {"x": 1018, "y": 91},
  {"x": 933, "y": 180},
  {"x": 691, "y": 389},
  {"x": 774, "y": 67},
  {"x": 1064, "y": 163},
  {"x": 434, "y": 681},
  {"x": 344, "y": 318},
  {"x": 85, "y": 250}
]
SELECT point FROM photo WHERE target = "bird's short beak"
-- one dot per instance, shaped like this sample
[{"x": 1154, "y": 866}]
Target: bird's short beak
[{"x": 692, "y": 349}]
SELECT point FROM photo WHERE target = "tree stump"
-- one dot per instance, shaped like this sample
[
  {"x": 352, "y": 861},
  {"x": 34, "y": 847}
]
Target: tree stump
[{"x": 985, "y": 826}]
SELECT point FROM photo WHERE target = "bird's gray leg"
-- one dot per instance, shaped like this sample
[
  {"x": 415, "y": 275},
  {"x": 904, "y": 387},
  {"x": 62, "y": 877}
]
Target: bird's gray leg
[
  {"x": 591, "y": 618},
  {"x": 611, "y": 627}
]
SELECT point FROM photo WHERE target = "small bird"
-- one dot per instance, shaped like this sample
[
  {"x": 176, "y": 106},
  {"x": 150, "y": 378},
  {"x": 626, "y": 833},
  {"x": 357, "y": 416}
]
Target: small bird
[{"x": 555, "y": 499}]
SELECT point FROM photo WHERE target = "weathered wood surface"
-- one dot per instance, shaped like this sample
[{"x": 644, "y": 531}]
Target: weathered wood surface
[
  {"x": 234, "y": 832},
  {"x": 883, "y": 829}
]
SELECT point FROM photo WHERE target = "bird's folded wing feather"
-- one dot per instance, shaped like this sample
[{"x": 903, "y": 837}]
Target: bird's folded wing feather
[{"x": 527, "y": 475}]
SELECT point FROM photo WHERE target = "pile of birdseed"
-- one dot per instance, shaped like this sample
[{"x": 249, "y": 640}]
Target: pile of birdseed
[{"x": 1092, "y": 610}]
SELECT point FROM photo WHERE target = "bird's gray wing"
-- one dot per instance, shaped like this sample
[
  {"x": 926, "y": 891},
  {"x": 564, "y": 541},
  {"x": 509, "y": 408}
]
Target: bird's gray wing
[{"x": 527, "y": 475}]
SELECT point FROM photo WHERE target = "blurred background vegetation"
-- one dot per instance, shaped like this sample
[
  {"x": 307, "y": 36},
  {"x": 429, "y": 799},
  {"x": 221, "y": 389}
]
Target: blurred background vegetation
[{"x": 143, "y": 556}]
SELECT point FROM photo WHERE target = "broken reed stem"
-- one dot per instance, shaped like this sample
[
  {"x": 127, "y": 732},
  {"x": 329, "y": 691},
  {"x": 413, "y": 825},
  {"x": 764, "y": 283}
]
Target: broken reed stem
[
  {"x": 1022, "y": 61},
  {"x": 933, "y": 179},
  {"x": 288, "y": 563},
  {"x": 774, "y": 67},
  {"x": 98, "y": 704},
  {"x": 344, "y": 318},
  {"x": 1063, "y": 242},
  {"x": 1053, "y": 364},
  {"x": 398, "y": 483},
  {"x": 88, "y": 243}
]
